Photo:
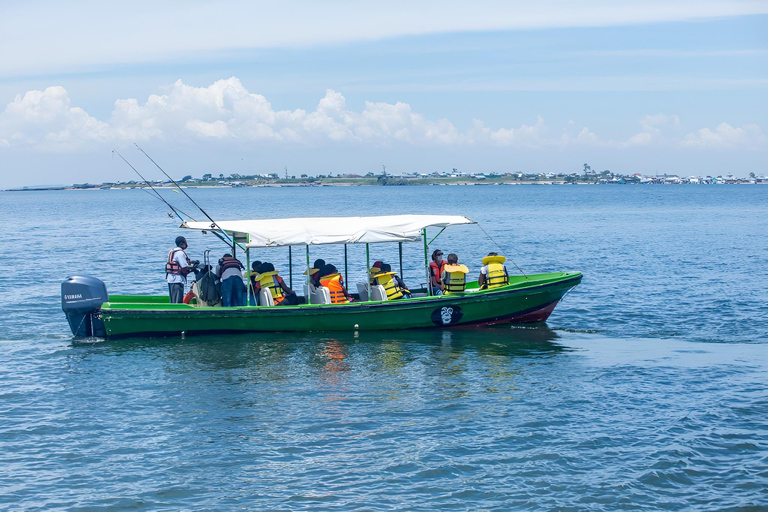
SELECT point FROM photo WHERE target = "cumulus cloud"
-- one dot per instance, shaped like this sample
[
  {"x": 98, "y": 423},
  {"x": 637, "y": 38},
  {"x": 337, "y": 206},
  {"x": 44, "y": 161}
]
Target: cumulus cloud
[
  {"x": 749, "y": 136},
  {"x": 227, "y": 111}
]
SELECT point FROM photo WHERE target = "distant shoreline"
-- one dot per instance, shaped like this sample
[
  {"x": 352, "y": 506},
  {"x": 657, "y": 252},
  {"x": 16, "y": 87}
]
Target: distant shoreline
[{"x": 347, "y": 182}]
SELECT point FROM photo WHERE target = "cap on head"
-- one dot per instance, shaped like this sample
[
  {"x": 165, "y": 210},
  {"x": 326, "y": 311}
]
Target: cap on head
[
  {"x": 319, "y": 263},
  {"x": 436, "y": 253},
  {"x": 378, "y": 264},
  {"x": 180, "y": 240}
]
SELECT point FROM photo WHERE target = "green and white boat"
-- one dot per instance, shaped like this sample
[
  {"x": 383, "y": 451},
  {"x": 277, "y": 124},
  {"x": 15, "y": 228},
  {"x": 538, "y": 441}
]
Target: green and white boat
[{"x": 91, "y": 311}]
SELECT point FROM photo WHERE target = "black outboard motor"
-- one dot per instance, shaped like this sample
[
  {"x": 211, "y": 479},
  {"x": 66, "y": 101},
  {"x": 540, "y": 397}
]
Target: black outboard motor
[{"x": 81, "y": 298}]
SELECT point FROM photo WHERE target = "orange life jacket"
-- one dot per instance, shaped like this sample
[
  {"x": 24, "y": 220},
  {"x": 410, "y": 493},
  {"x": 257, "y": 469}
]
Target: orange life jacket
[
  {"x": 437, "y": 271},
  {"x": 172, "y": 266},
  {"x": 335, "y": 285}
]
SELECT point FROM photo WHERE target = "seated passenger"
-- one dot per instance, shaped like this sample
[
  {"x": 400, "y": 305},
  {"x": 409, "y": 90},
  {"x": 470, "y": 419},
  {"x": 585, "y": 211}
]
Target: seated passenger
[
  {"x": 253, "y": 277},
  {"x": 269, "y": 278},
  {"x": 232, "y": 287},
  {"x": 493, "y": 273},
  {"x": 436, "y": 267},
  {"x": 375, "y": 269},
  {"x": 454, "y": 275},
  {"x": 331, "y": 279},
  {"x": 314, "y": 272},
  {"x": 392, "y": 283}
]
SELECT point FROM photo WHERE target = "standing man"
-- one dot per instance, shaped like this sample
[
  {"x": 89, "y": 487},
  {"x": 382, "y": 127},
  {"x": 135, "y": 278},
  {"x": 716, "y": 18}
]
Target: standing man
[
  {"x": 177, "y": 266},
  {"x": 232, "y": 287}
]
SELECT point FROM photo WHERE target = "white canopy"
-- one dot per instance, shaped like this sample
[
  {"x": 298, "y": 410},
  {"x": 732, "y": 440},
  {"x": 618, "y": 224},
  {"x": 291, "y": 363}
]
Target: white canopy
[{"x": 332, "y": 230}]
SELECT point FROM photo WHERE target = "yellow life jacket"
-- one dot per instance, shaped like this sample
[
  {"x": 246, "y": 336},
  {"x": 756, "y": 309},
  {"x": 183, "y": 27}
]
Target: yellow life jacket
[
  {"x": 388, "y": 281},
  {"x": 372, "y": 273},
  {"x": 334, "y": 284},
  {"x": 497, "y": 274},
  {"x": 269, "y": 280},
  {"x": 455, "y": 278}
]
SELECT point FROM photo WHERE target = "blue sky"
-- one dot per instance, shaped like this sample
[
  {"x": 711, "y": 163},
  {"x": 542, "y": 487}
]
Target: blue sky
[{"x": 649, "y": 87}]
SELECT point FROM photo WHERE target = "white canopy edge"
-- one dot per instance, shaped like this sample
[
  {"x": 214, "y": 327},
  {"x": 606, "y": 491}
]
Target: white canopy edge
[{"x": 331, "y": 230}]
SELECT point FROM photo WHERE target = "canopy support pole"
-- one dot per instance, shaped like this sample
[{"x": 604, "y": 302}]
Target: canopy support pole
[
  {"x": 248, "y": 272},
  {"x": 367, "y": 257},
  {"x": 400, "y": 254},
  {"x": 290, "y": 267},
  {"x": 426, "y": 260},
  {"x": 437, "y": 235},
  {"x": 346, "y": 277},
  {"x": 309, "y": 279}
]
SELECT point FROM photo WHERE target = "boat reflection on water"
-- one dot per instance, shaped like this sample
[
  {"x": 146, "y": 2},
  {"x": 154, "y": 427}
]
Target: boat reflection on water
[{"x": 274, "y": 355}]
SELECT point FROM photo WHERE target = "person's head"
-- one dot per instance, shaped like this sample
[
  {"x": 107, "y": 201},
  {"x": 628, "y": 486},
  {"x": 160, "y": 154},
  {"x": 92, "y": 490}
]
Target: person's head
[
  {"x": 181, "y": 242},
  {"x": 266, "y": 267},
  {"x": 255, "y": 266},
  {"x": 327, "y": 270},
  {"x": 378, "y": 264},
  {"x": 493, "y": 254},
  {"x": 386, "y": 267},
  {"x": 453, "y": 259},
  {"x": 319, "y": 263},
  {"x": 437, "y": 255},
  {"x": 227, "y": 255}
]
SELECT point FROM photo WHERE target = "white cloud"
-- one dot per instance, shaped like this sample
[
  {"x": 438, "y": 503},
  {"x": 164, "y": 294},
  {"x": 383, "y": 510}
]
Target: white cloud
[
  {"x": 749, "y": 136},
  {"x": 227, "y": 111},
  {"x": 45, "y": 120}
]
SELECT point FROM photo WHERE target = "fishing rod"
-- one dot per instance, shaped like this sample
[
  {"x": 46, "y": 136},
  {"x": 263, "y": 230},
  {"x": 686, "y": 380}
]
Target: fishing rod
[
  {"x": 169, "y": 213},
  {"x": 213, "y": 222},
  {"x": 174, "y": 210}
]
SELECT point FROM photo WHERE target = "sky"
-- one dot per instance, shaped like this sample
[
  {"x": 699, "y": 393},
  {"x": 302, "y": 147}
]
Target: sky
[{"x": 675, "y": 87}]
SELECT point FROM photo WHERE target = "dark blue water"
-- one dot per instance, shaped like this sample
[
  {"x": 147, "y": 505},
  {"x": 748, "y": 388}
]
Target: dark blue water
[{"x": 647, "y": 388}]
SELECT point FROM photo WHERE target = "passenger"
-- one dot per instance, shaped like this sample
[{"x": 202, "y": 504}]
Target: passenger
[
  {"x": 253, "y": 277},
  {"x": 177, "y": 266},
  {"x": 455, "y": 275},
  {"x": 232, "y": 287},
  {"x": 331, "y": 279},
  {"x": 392, "y": 283},
  {"x": 314, "y": 272},
  {"x": 436, "y": 267},
  {"x": 493, "y": 273},
  {"x": 269, "y": 278},
  {"x": 375, "y": 269}
]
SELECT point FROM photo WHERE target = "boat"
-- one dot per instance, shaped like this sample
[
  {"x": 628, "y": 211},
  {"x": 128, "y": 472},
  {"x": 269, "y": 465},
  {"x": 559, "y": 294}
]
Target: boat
[{"x": 527, "y": 298}]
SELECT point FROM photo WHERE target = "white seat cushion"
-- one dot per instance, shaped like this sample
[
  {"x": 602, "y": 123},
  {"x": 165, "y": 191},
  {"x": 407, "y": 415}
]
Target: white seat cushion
[
  {"x": 265, "y": 298},
  {"x": 378, "y": 293},
  {"x": 362, "y": 290}
]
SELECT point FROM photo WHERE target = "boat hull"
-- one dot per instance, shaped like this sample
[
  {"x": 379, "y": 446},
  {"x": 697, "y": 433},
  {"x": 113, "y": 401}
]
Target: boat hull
[{"x": 531, "y": 300}]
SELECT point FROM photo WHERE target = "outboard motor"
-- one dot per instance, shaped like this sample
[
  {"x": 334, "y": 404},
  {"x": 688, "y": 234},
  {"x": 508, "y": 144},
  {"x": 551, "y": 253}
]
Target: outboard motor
[{"x": 81, "y": 298}]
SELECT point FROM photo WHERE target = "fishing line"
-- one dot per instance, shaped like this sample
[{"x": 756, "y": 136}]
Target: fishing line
[{"x": 502, "y": 250}]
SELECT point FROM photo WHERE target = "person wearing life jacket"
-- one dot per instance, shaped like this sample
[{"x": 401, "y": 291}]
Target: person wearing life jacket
[
  {"x": 232, "y": 287},
  {"x": 493, "y": 273},
  {"x": 392, "y": 283},
  {"x": 375, "y": 269},
  {"x": 436, "y": 267},
  {"x": 314, "y": 272},
  {"x": 454, "y": 275},
  {"x": 177, "y": 266},
  {"x": 331, "y": 279},
  {"x": 252, "y": 277},
  {"x": 270, "y": 279}
]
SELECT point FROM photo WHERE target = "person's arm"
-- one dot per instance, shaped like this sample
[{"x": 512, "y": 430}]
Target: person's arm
[
  {"x": 285, "y": 287},
  {"x": 400, "y": 283},
  {"x": 481, "y": 277}
]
